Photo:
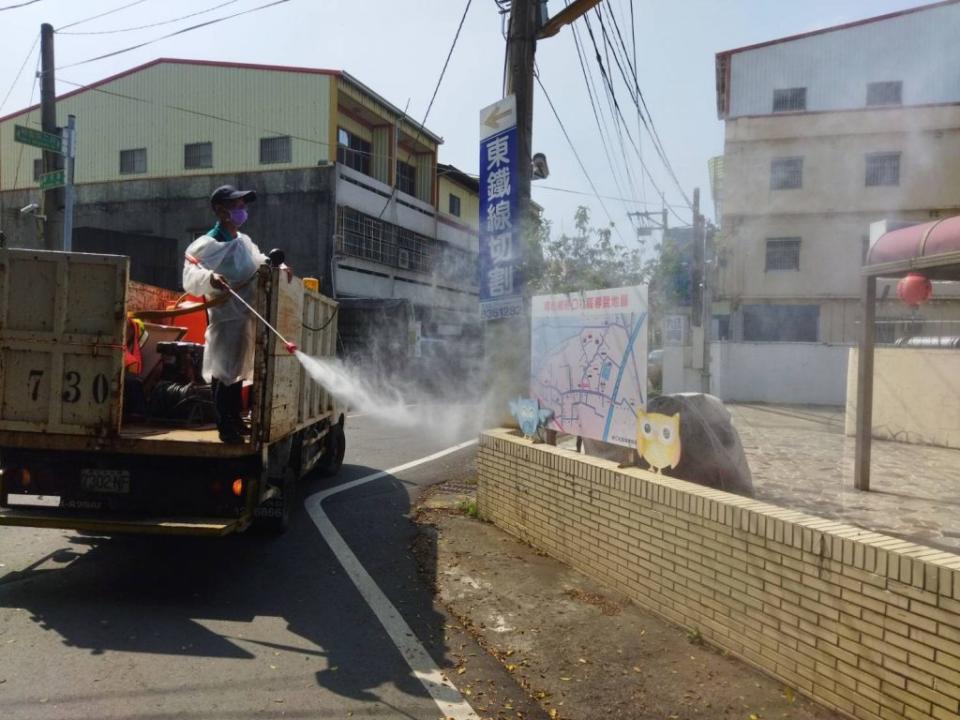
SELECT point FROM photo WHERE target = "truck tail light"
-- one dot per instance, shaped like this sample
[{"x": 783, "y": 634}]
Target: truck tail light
[
  {"x": 237, "y": 487},
  {"x": 26, "y": 479}
]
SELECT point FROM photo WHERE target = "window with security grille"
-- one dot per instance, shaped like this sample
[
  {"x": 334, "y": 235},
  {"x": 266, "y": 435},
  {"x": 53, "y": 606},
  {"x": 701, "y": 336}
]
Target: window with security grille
[
  {"x": 790, "y": 100},
  {"x": 786, "y": 173},
  {"x": 885, "y": 93},
  {"x": 353, "y": 151},
  {"x": 406, "y": 178},
  {"x": 133, "y": 162},
  {"x": 37, "y": 169},
  {"x": 783, "y": 254},
  {"x": 275, "y": 150},
  {"x": 454, "y": 206},
  {"x": 198, "y": 155},
  {"x": 883, "y": 169}
]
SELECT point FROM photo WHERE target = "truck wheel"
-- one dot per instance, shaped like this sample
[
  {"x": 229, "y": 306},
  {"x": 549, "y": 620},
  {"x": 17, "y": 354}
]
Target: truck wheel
[
  {"x": 332, "y": 459},
  {"x": 274, "y": 515}
]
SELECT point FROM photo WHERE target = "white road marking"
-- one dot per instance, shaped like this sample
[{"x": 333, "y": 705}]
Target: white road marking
[{"x": 446, "y": 696}]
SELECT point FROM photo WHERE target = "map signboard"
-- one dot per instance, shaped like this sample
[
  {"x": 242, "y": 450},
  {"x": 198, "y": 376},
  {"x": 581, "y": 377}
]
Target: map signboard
[
  {"x": 589, "y": 361},
  {"x": 501, "y": 255}
]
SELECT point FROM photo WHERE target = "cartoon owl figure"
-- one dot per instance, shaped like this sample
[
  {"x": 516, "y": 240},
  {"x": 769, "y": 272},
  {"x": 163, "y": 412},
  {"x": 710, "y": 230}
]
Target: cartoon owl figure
[
  {"x": 658, "y": 439},
  {"x": 530, "y": 416}
]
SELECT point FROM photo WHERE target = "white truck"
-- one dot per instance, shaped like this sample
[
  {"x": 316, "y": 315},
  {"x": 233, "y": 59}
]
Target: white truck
[{"x": 71, "y": 457}]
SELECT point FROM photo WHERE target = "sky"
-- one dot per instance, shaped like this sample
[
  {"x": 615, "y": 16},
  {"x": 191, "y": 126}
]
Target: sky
[{"x": 398, "y": 50}]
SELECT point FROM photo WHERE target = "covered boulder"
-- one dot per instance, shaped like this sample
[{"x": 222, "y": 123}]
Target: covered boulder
[{"x": 711, "y": 453}]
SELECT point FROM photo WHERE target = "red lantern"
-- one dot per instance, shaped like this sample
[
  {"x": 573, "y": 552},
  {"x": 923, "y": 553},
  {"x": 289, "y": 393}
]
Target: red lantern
[{"x": 914, "y": 289}]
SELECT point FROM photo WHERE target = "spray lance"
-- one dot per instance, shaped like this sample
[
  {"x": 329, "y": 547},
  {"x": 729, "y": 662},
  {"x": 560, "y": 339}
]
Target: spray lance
[{"x": 291, "y": 347}]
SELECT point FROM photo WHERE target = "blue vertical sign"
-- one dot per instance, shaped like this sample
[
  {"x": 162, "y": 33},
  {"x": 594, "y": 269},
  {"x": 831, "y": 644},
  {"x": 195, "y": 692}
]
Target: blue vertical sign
[{"x": 501, "y": 250}]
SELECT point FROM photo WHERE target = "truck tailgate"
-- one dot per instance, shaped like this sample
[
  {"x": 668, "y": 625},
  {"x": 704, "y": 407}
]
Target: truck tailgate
[{"x": 62, "y": 322}]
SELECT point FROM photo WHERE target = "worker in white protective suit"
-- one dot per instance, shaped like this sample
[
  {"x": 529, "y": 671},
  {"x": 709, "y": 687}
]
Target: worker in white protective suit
[{"x": 227, "y": 258}]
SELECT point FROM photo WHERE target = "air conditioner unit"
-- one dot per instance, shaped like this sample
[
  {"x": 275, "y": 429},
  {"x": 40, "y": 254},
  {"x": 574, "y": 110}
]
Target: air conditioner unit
[{"x": 403, "y": 259}]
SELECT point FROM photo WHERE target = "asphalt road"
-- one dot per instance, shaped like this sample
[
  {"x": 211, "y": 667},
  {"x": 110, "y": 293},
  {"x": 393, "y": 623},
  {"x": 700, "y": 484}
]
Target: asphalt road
[{"x": 251, "y": 626}]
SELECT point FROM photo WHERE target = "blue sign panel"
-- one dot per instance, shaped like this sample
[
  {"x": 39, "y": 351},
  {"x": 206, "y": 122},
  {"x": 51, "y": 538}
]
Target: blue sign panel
[{"x": 501, "y": 251}]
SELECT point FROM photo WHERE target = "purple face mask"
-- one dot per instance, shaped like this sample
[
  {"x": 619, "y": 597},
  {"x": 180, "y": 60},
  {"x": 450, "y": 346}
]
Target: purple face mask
[{"x": 238, "y": 216}]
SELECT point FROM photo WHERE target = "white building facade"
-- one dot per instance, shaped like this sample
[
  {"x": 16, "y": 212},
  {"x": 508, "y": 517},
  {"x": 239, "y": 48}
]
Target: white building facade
[{"x": 826, "y": 133}]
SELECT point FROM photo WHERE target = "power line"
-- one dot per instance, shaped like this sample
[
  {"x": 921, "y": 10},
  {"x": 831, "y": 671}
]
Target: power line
[
  {"x": 173, "y": 34},
  {"x": 19, "y": 5},
  {"x": 433, "y": 97},
  {"x": 616, "y": 111},
  {"x": 637, "y": 96},
  {"x": 539, "y": 186},
  {"x": 619, "y": 112},
  {"x": 577, "y": 155},
  {"x": 19, "y": 73},
  {"x": 95, "y": 17},
  {"x": 596, "y": 117},
  {"x": 151, "y": 25}
]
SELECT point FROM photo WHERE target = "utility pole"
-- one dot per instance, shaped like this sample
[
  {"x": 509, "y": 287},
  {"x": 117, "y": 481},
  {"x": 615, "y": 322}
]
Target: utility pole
[
  {"x": 69, "y": 192},
  {"x": 53, "y": 198},
  {"x": 702, "y": 300},
  {"x": 508, "y": 339},
  {"x": 521, "y": 50}
]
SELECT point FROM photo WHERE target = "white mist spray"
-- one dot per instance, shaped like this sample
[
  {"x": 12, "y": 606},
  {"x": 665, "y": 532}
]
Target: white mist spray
[{"x": 447, "y": 418}]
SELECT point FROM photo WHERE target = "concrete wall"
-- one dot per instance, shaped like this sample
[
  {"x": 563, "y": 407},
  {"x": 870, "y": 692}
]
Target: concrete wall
[
  {"x": 678, "y": 372},
  {"x": 863, "y": 623},
  {"x": 915, "y": 48},
  {"x": 294, "y": 211},
  {"x": 795, "y": 373},
  {"x": 916, "y": 395}
]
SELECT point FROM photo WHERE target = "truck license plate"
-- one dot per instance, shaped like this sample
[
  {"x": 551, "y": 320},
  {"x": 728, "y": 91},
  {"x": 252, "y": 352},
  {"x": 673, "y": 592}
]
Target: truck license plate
[{"x": 105, "y": 481}]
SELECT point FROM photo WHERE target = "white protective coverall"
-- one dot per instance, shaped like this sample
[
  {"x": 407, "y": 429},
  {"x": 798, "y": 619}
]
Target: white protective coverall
[{"x": 228, "y": 355}]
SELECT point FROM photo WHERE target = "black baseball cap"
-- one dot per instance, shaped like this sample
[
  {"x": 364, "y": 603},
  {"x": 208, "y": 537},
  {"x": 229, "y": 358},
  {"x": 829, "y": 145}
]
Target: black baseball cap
[{"x": 225, "y": 193}]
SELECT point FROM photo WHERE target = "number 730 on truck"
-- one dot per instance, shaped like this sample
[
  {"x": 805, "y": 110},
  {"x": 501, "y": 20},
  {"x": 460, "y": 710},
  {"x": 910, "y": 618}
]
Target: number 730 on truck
[{"x": 106, "y": 423}]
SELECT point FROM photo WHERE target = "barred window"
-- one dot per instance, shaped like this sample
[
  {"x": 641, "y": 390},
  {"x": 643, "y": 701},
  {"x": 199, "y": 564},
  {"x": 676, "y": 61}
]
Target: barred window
[
  {"x": 406, "y": 178},
  {"x": 786, "y": 173},
  {"x": 883, "y": 169},
  {"x": 454, "y": 206},
  {"x": 790, "y": 99},
  {"x": 885, "y": 93},
  {"x": 367, "y": 237},
  {"x": 783, "y": 254},
  {"x": 198, "y": 155},
  {"x": 353, "y": 151},
  {"x": 275, "y": 150},
  {"x": 133, "y": 162}
]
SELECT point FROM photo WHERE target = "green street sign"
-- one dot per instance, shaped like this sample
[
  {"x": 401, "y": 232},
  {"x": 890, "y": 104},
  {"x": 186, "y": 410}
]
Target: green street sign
[
  {"x": 38, "y": 138},
  {"x": 53, "y": 179}
]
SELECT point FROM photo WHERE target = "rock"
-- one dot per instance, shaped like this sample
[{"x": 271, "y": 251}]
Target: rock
[{"x": 712, "y": 454}]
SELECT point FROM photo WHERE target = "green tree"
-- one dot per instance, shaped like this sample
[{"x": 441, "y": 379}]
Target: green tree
[{"x": 590, "y": 259}]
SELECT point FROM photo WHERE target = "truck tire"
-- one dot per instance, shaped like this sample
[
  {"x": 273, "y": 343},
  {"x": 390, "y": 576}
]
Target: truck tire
[
  {"x": 275, "y": 514},
  {"x": 332, "y": 459}
]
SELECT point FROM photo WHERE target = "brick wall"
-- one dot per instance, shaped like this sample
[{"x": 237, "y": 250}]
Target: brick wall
[{"x": 864, "y": 623}]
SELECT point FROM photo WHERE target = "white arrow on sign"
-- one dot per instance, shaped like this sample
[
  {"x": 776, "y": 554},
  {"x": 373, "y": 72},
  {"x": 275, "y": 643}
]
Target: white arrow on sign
[{"x": 499, "y": 116}]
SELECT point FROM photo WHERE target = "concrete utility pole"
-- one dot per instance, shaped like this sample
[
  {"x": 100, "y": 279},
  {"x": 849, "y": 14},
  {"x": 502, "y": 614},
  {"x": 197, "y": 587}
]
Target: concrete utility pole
[
  {"x": 508, "y": 339},
  {"x": 701, "y": 315},
  {"x": 53, "y": 198},
  {"x": 521, "y": 50},
  {"x": 69, "y": 192}
]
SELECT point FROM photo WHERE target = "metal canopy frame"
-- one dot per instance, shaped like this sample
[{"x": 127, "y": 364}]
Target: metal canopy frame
[{"x": 945, "y": 266}]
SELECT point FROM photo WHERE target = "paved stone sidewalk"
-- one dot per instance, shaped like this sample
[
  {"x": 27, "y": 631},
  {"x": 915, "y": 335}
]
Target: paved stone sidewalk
[{"x": 801, "y": 459}]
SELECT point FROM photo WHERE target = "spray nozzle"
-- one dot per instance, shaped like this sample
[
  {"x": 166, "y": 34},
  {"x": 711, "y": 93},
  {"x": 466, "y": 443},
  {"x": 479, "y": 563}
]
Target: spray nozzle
[{"x": 291, "y": 347}]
